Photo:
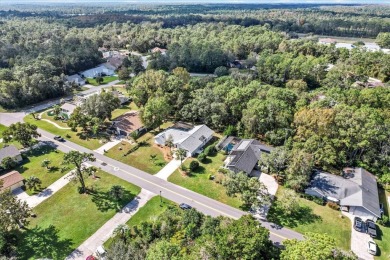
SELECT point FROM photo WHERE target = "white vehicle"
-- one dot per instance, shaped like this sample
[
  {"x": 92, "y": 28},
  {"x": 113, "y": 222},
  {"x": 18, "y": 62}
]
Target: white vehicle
[
  {"x": 371, "y": 247},
  {"x": 101, "y": 252}
]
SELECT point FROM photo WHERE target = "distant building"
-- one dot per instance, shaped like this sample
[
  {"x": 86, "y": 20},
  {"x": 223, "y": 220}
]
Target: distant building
[
  {"x": 11, "y": 181},
  {"x": 185, "y": 136},
  {"x": 244, "y": 154},
  {"x": 76, "y": 79},
  {"x": 122, "y": 98},
  {"x": 10, "y": 151},
  {"x": 356, "y": 191},
  {"x": 101, "y": 70},
  {"x": 160, "y": 50},
  {"x": 347, "y": 46},
  {"x": 128, "y": 123},
  {"x": 327, "y": 41}
]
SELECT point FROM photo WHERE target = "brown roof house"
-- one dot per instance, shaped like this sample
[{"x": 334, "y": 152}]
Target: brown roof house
[
  {"x": 128, "y": 123},
  {"x": 10, "y": 151},
  {"x": 11, "y": 180}
]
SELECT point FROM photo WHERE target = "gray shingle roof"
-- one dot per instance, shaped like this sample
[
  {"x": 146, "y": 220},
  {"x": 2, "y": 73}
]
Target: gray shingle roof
[
  {"x": 246, "y": 154},
  {"x": 196, "y": 138},
  {"x": 358, "y": 189},
  {"x": 9, "y": 151}
]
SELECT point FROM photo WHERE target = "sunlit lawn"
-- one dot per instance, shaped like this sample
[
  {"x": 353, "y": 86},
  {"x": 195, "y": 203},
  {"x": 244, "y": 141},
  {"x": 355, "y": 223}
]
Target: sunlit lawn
[
  {"x": 68, "y": 218},
  {"x": 2, "y": 129},
  {"x": 312, "y": 217},
  {"x": 32, "y": 166},
  {"x": 90, "y": 143},
  {"x": 383, "y": 240},
  {"x": 48, "y": 116},
  {"x": 199, "y": 182},
  {"x": 123, "y": 109},
  {"x": 106, "y": 80},
  {"x": 141, "y": 158}
]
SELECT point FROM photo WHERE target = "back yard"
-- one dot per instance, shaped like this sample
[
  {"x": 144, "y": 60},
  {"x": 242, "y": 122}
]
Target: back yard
[
  {"x": 54, "y": 233},
  {"x": 106, "y": 80},
  {"x": 311, "y": 217},
  {"x": 199, "y": 181},
  {"x": 383, "y": 240}
]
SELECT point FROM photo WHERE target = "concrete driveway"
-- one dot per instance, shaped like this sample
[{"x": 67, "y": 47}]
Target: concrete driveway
[{"x": 359, "y": 241}]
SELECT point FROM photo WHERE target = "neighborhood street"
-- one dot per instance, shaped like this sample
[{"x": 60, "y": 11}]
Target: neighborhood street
[{"x": 157, "y": 185}]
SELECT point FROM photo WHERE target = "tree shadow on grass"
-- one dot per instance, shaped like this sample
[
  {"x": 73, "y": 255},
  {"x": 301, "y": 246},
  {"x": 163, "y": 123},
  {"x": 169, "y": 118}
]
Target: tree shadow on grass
[
  {"x": 105, "y": 202},
  {"x": 40, "y": 242},
  {"x": 302, "y": 215}
]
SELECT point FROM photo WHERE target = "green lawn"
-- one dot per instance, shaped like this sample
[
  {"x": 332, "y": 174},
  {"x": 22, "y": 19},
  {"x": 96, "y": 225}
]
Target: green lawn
[
  {"x": 90, "y": 143},
  {"x": 32, "y": 166},
  {"x": 2, "y": 129},
  {"x": 68, "y": 218},
  {"x": 106, "y": 80},
  {"x": 140, "y": 158},
  {"x": 383, "y": 241},
  {"x": 46, "y": 115},
  {"x": 312, "y": 217},
  {"x": 198, "y": 181},
  {"x": 149, "y": 212},
  {"x": 123, "y": 109}
]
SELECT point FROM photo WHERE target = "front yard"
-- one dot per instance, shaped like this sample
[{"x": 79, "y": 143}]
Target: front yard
[
  {"x": 199, "y": 182},
  {"x": 124, "y": 109},
  {"x": 76, "y": 137},
  {"x": 2, "y": 129},
  {"x": 32, "y": 166},
  {"x": 311, "y": 217},
  {"x": 383, "y": 240},
  {"x": 68, "y": 218},
  {"x": 142, "y": 157},
  {"x": 106, "y": 80}
]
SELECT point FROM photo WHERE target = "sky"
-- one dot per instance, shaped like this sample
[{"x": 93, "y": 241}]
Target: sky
[{"x": 197, "y": 1}]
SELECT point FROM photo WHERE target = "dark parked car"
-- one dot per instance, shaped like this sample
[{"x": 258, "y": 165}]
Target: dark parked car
[
  {"x": 381, "y": 209},
  {"x": 59, "y": 138},
  {"x": 371, "y": 228},
  {"x": 358, "y": 224},
  {"x": 185, "y": 206}
]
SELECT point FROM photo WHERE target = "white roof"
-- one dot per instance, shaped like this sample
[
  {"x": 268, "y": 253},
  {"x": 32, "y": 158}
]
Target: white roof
[
  {"x": 345, "y": 45},
  {"x": 69, "y": 107}
]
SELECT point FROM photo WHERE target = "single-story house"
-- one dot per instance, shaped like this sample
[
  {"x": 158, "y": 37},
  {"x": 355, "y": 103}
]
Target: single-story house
[
  {"x": 356, "y": 191},
  {"x": 128, "y": 123},
  {"x": 186, "y": 136},
  {"x": 104, "y": 69},
  {"x": 122, "y": 98},
  {"x": 116, "y": 61},
  {"x": 348, "y": 46},
  {"x": 75, "y": 79},
  {"x": 11, "y": 180},
  {"x": 67, "y": 109},
  {"x": 244, "y": 155},
  {"x": 10, "y": 151}
]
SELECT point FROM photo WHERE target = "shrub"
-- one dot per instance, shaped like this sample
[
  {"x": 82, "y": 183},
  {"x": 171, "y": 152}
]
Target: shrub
[
  {"x": 209, "y": 176},
  {"x": 194, "y": 165},
  {"x": 221, "y": 71},
  {"x": 230, "y": 130},
  {"x": 333, "y": 205},
  {"x": 210, "y": 150},
  {"x": 223, "y": 170},
  {"x": 202, "y": 157},
  {"x": 384, "y": 221}
]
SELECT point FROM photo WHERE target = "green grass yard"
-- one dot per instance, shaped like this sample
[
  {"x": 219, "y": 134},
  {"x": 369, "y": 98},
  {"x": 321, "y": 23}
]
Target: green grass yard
[
  {"x": 123, "y": 109},
  {"x": 199, "y": 182},
  {"x": 47, "y": 115},
  {"x": 54, "y": 233},
  {"x": 90, "y": 143},
  {"x": 17, "y": 144},
  {"x": 32, "y": 166},
  {"x": 140, "y": 158},
  {"x": 312, "y": 217},
  {"x": 106, "y": 80},
  {"x": 383, "y": 240}
]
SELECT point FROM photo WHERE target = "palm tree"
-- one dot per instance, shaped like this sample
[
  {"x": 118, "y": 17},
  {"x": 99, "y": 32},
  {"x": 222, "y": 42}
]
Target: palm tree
[
  {"x": 181, "y": 154},
  {"x": 122, "y": 231},
  {"x": 117, "y": 192},
  {"x": 46, "y": 164},
  {"x": 33, "y": 183},
  {"x": 56, "y": 111},
  {"x": 169, "y": 142},
  {"x": 153, "y": 158}
]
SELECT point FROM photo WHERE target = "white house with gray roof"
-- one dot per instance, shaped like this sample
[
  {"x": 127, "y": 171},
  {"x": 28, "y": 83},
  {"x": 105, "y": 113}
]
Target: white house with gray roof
[
  {"x": 10, "y": 151},
  {"x": 187, "y": 137},
  {"x": 76, "y": 79},
  {"x": 355, "y": 191}
]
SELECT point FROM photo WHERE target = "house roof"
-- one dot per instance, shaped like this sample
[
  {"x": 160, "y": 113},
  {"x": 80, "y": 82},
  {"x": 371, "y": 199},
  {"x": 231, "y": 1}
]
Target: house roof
[
  {"x": 189, "y": 137},
  {"x": 157, "y": 49},
  {"x": 69, "y": 107},
  {"x": 10, "y": 179},
  {"x": 245, "y": 154},
  {"x": 74, "y": 78},
  {"x": 128, "y": 122},
  {"x": 357, "y": 188},
  {"x": 9, "y": 151},
  {"x": 327, "y": 40}
]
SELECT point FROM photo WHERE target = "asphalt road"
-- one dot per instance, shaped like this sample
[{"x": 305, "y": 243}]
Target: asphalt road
[
  {"x": 156, "y": 185},
  {"x": 169, "y": 190}
]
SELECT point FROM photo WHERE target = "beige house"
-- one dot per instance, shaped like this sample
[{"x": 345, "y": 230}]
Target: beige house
[{"x": 11, "y": 180}]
